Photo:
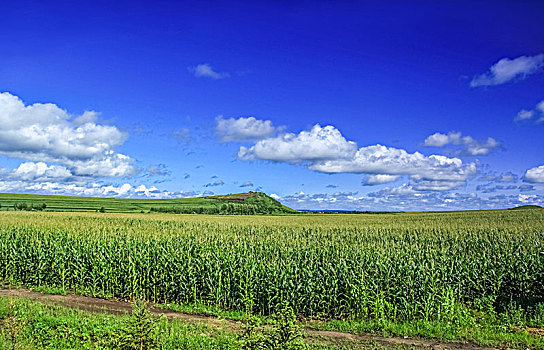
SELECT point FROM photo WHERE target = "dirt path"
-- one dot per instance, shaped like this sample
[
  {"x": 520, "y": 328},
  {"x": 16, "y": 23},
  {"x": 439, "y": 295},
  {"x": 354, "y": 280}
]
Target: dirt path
[{"x": 121, "y": 307}]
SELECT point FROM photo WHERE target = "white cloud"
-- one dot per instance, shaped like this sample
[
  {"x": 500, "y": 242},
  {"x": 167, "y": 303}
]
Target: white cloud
[
  {"x": 527, "y": 115},
  {"x": 112, "y": 164},
  {"x": 407, "y": 198},
  {"x": 440, "y": 140},
  {"x": 378, "y": 179},
  {"x": 215, "y": 183},
  {"x": 86, "y": 117},
  {"x": 247, "y": 184},
  {"x": 524, "y": 115},
  {"x": 380, "y": 159},
  {"x": 40, "y": 171},
  {"x": 148, "y": 192},
  {"x": 470, "y": 145},
  {"x": 320, "y": 143},
  {"x": 507, "y": 69},
  {"x": 527, "y": 198},
  {"x": 206, "y": 71},
  {"x": 535, "y": 175},
  {"x": 244, "y": 129},
  {"x": 47, "y": 133},
  {"x": 325, "y": 150},
  {"x": 540, "y": 106},
  {"x": 90, "y": 189},
  {"x": 435, "y": 185}
]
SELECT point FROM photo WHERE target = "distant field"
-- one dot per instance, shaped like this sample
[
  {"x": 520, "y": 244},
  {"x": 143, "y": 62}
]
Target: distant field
[
  {"x": 119, "y": 205},
  {"x": 66, "y": 203}
]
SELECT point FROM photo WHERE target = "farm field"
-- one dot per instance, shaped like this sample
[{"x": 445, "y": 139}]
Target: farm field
[
  {"x": 240, "y": 203},
  {"x": 451, "y": 276}
]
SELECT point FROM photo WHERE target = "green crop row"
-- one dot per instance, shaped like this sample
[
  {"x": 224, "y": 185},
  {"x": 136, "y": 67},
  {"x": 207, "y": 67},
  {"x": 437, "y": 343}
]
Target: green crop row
[{"x": 431, "y": 266}]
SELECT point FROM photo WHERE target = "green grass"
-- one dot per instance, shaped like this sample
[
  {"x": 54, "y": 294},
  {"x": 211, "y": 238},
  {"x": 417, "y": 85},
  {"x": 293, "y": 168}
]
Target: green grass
[
  {"x": 122, "y": 205},
  {"x": 56, "y": 327},
  {"x": 45, "y": 326}
]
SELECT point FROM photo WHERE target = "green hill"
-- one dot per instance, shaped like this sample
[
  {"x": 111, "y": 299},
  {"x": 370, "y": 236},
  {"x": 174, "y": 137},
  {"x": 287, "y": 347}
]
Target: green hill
[
  {"x": 527, "y": 207},
  {"x": 241, "y": 203}
]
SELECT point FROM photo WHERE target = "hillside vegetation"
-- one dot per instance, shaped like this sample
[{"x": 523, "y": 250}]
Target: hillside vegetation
[
  {"x": 241, "y": 203},
  {"x": 522, "y": 207}
]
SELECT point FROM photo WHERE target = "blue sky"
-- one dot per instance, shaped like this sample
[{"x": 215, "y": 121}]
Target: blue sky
[{"x": 383, "y": 105}]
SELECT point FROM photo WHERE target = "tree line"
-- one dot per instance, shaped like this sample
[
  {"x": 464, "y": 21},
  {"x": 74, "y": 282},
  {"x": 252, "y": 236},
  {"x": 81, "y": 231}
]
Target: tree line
[
  {"x": 224, "y": 209},
  {"x": 27, "y": 207}
]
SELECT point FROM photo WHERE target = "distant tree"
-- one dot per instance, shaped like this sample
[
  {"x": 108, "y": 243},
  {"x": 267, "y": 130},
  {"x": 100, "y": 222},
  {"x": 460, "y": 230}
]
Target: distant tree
[
  {"x": 20, "y": 206},
  {"x": 102, "y": 210}
]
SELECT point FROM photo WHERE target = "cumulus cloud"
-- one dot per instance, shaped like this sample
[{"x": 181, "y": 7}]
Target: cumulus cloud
[
  {"x": 204, "y": 70},
  {"x": 535, "y": 175},
  {"x": 507, "y": 69},
  {"x": 379, "y": 159},
  {"x": 247, "y": 184},
  {"x": 535, "y": 115},
  {"x": 244, "y": 129},
  {"x": 30, "y": 171},
  {"x": 470, "y": 146},
  {"x": 47, "y": 133},
  {"x": 324, "y": 149},
  {"x": 317, "y": 144},
  {"x": 378, "y": 179}
]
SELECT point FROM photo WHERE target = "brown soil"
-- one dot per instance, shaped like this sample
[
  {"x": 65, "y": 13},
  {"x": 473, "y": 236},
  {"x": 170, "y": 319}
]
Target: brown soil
[
  {"x": 312, "y": 335},
  {"x": 536, "y": 331}
]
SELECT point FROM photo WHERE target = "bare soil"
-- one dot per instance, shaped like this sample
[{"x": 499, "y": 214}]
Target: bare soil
[{"x": 117, "y": 307}]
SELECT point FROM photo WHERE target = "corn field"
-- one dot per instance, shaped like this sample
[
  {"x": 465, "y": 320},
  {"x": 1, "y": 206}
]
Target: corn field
[{"x": 398, "y": 266}]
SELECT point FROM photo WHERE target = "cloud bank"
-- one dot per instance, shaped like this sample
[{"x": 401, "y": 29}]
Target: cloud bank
[
  {"x": 325, "y": 150},
  {"x": 406, "y": 198},
  {"x": 47, "y": 133}
]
